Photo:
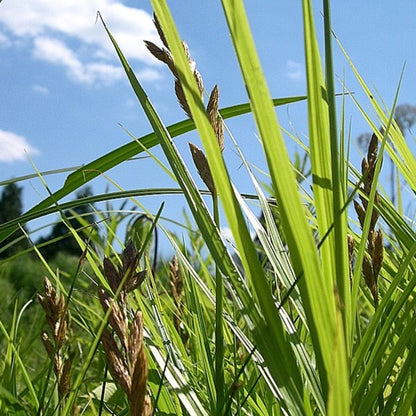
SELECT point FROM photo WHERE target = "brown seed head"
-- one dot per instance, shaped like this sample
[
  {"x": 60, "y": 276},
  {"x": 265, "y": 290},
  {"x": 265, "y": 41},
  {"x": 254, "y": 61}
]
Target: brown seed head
[
  {"x": 127, "y": 271},
  {"x": 360, "y": 213},
  {"x": 48, "y": 344},
  {"x": 175, "y": 278},
  {"x": 50, "y": 302},
  {"x": 364, "y": 166},
  {"x": 374, "y": 215},
  {"x": 180, "y": 95},
  {"x": 135, "y": 339},
  {"x": 215, "y": 118},
  {"x": 55, "y": 311},
  {"x": 162, "y": 55},
  {"x": 115, "y": 361},
  {"x": 61, "y": 332},
  {"x": 212, "y": 106},
  {"x": 111, "y": 274},
  {"x": 165, "y": 56},
  {"x": 351, "y": 245},
  {"x": 135, "y": 281},
  {"x": 202, "y": 166},
  {"x": 188, "y": 55},
  {"x": 64, "y": 379},
  {"x": 129, "y": 259},
  {"x": 104, "y": 298},
  {"x": 199, "y": 83},
  {"x": 378, "y": 252},
  {"x": 139, "y": 367},
  {"x": 372, "y": 151},
  {"x": 57, "y": 365},
  {"x": 117, "y": 319},
  {"x": 147, "y": 408},
  {"x": 160, "y": 31},
  {"x": 138, "y": 386},
  {"x": 368, "y": 272}
]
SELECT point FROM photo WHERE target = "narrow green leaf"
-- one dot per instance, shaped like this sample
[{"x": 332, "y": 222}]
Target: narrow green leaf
[
  {"x": 317, "y": 294},
  {"x": 330, "y": 215},
  {"x": 21, "y": 365},
  {"x": 285, "y": 371},
  {"x": 339, "y": 188},
  {"x": 401, "y": 154},
  {"x": 88, "y": 172}
]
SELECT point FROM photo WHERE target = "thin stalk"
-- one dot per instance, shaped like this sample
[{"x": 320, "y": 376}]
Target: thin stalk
[
  {"x": 379, "y": 366},
  {"x": 399, "y": 193},
  {"x": 88, "y": 172},
  {"x": 219, "y": 330},
  {"x": 392, "y": 180},
  {"x": 338, "y": 194},
  {"x": 102, "y": 397},
  {"x": 24, "y": 373}
]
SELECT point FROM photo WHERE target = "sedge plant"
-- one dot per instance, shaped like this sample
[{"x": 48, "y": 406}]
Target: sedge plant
[{"x": 321, "y": 322}]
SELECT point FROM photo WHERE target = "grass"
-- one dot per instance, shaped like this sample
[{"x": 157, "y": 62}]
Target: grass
[{"x": 313, "y": 316}]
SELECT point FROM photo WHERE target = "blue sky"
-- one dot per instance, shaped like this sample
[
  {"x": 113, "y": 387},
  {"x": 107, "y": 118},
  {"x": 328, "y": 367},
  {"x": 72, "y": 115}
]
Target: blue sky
[{"x": 64, "y": 94}]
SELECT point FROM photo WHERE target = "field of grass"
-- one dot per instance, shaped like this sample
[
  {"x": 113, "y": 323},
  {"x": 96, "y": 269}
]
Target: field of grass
[{"x": 313, "y": 316}]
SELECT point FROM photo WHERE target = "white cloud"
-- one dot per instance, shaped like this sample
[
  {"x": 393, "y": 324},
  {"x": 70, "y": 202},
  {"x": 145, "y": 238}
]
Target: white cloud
[
  {"x": 40, "y": 89},
  {"x": 65, "y": 34},
  {"x": 14, "y": 147},
  {"x": 295, "y": 70},
  {"x": 149, "y": 74},
  {"x": 4, "y": 41},
  {"x": 57, "y": 53}
]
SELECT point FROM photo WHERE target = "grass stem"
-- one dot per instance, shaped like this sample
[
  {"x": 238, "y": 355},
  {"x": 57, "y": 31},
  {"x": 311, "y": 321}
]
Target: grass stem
[{"x": 219, "y": 331}]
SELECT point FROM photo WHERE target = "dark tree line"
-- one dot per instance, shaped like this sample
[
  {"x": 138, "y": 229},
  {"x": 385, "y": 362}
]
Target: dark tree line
[
  {"x": 11, "y": 207},
  {"x": 61, "y": 239}
]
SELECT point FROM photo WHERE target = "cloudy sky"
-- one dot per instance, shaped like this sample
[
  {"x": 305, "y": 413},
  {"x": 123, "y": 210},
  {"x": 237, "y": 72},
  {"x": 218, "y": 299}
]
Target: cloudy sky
[
  {"x": 64, "y": 40},
  {"x": 64, "y": 96}
]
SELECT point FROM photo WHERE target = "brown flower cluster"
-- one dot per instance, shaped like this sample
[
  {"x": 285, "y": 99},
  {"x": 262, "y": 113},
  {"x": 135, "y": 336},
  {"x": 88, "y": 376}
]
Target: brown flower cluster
[
  {"x": 164, "y": 55},
  {"x": 373, "y": 259},
  {"x": 56, "y": 346},
  {"x": 176, "y": 286},
  {"x": 198, "y": 155},
  {"x": 123, "y": 346}
]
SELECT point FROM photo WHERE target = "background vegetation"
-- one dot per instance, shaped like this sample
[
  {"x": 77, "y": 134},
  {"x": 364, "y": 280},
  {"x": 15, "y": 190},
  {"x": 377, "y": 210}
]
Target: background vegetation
[{"x": 312, "y": 315}]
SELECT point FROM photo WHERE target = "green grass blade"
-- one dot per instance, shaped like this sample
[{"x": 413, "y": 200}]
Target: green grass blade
[
  {"x": 21, "y": 365},
  {"x": 339, "y": 186},
  {"x": 194, "y": 198},
  {"x": 401, "y": 154},
  {"x": 403, "y": 392},
  {"x": 286, "y": 371},
  {"x": 317, "y": 293},
  {"x": 179, "y": 384},
  {"x": 328, "y": 202},
  {"x": 191, "y": 192},
  {"x": 35, "y": 175},
  {"x": 203, "y": 343},
  {"x": 93, "y": 169},
  {"x": 390, "y": 314},
  {"x": 372, "y": 392}
]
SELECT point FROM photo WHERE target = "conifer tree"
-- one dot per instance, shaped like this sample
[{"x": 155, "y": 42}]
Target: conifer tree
[
  {"x": 11, "y": 207},
  {"x": 63, "y": 239}
]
